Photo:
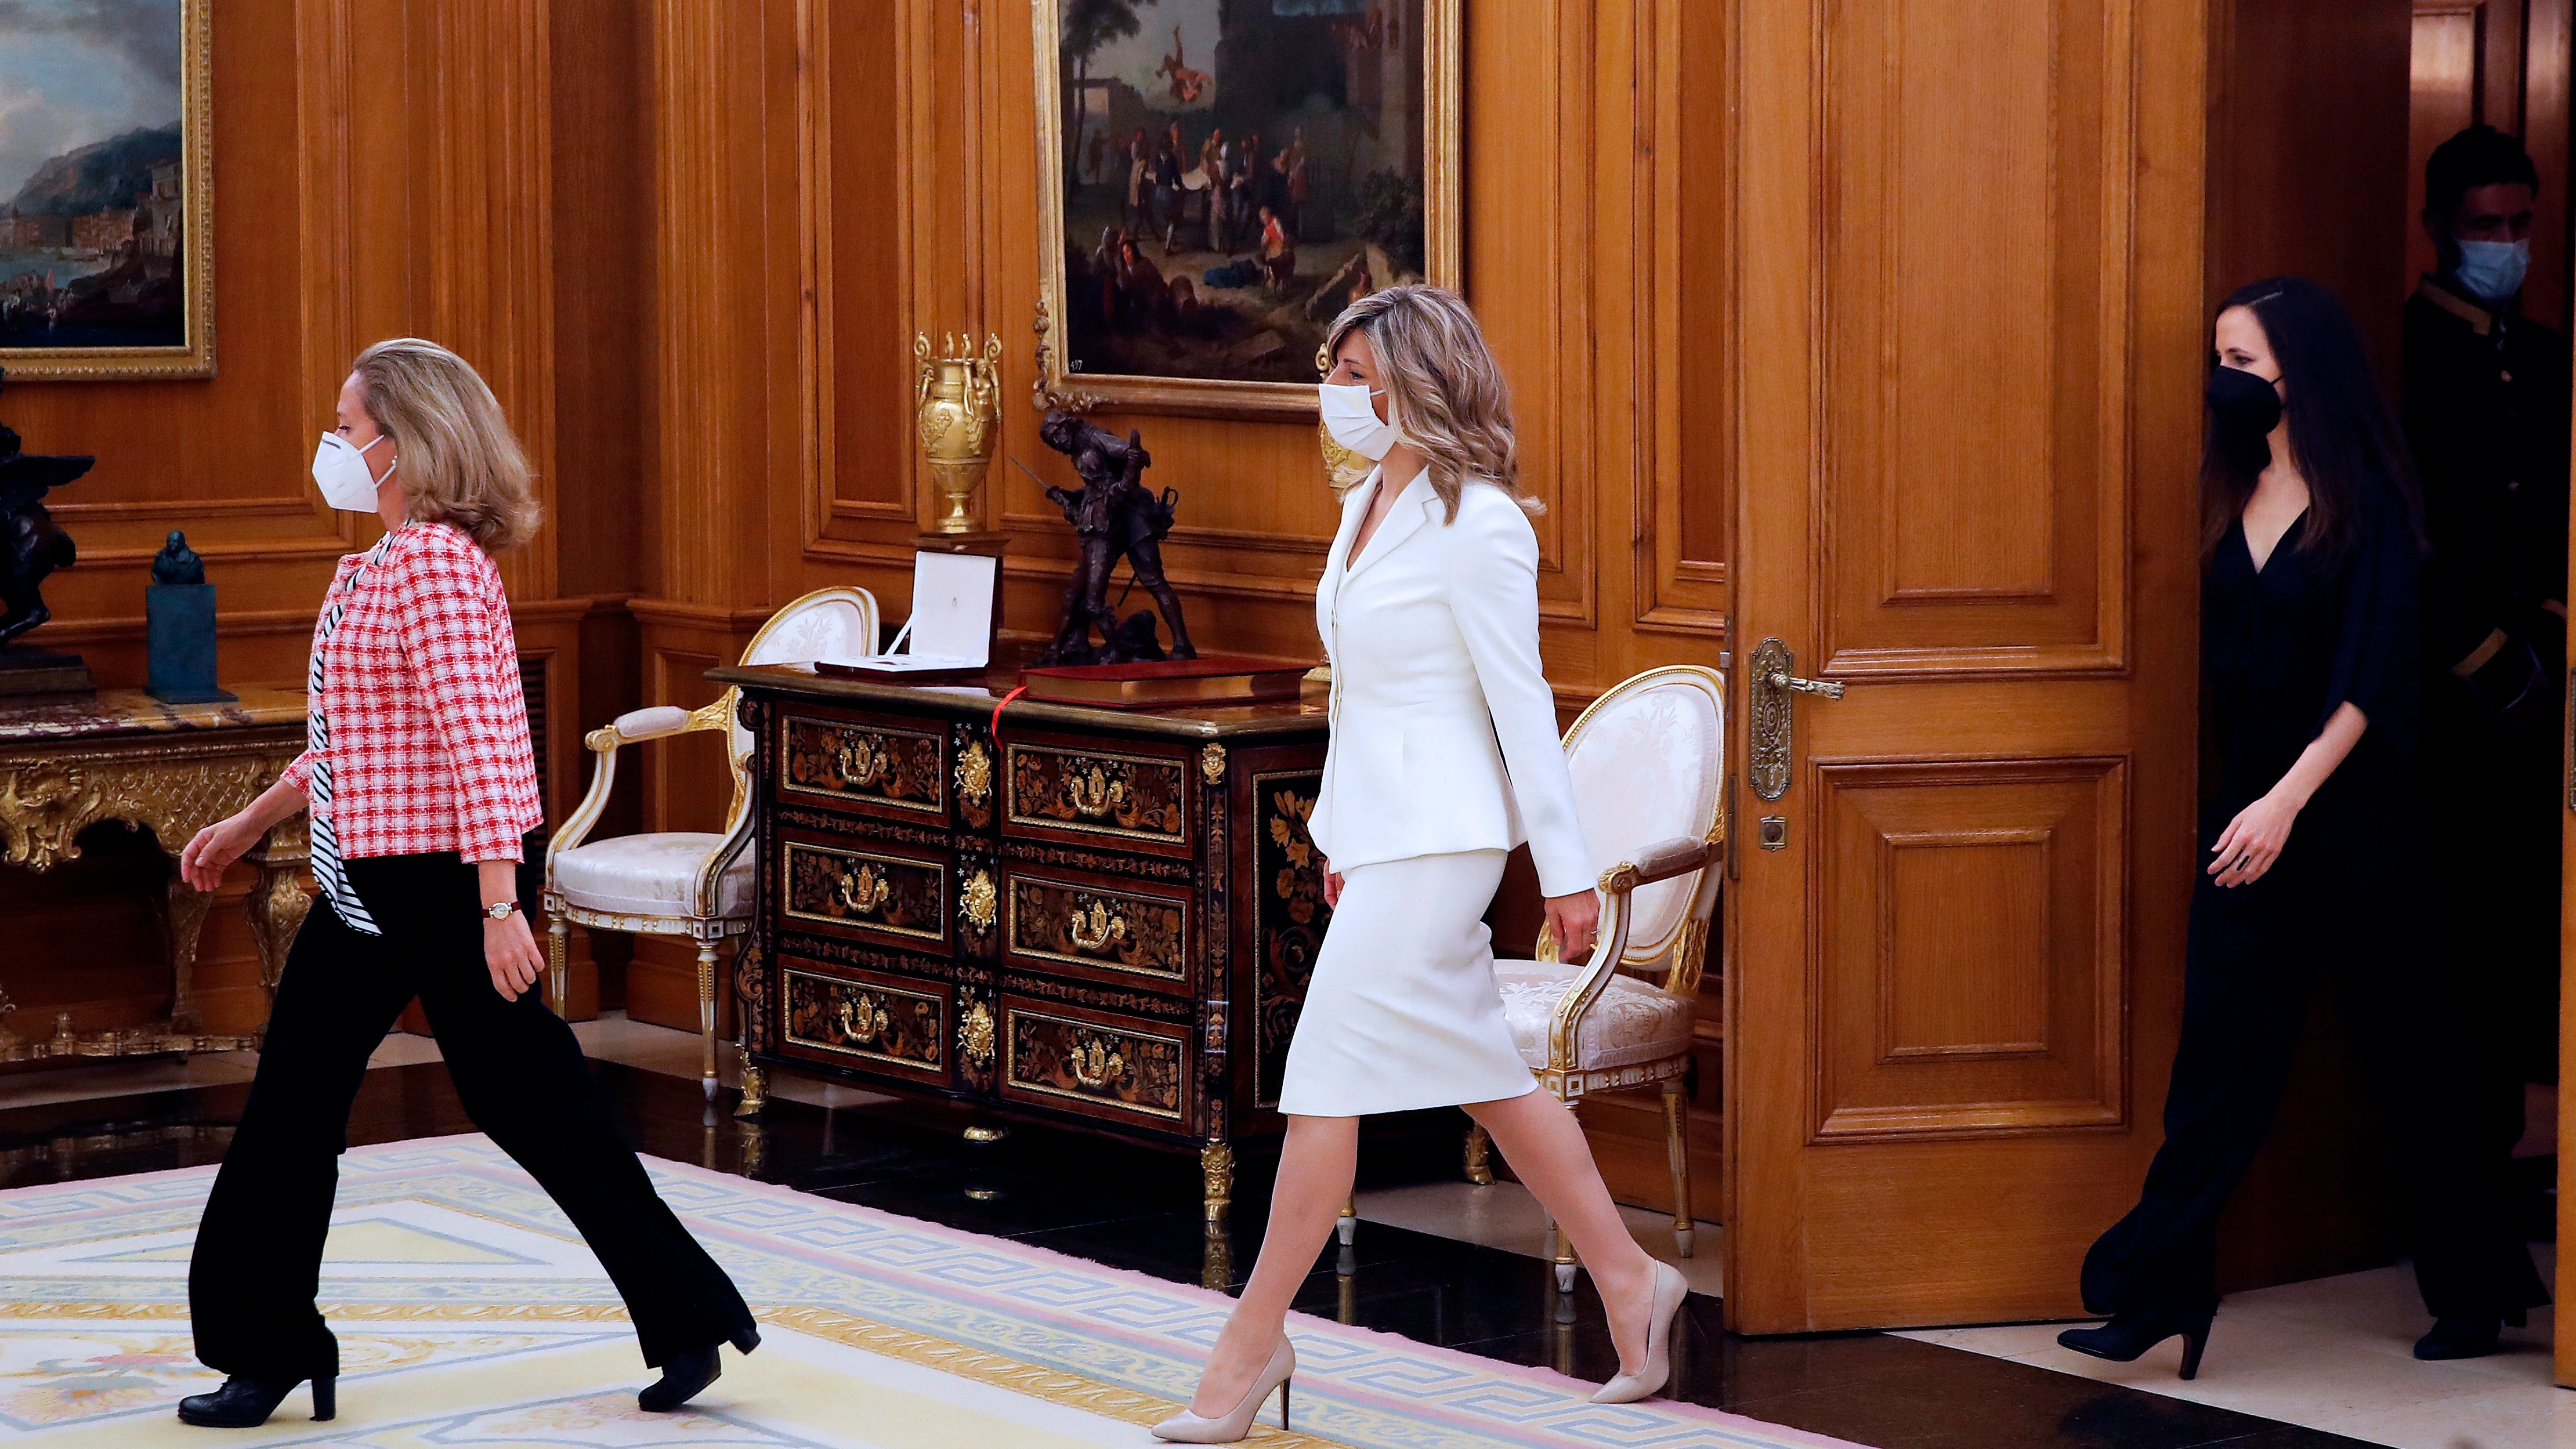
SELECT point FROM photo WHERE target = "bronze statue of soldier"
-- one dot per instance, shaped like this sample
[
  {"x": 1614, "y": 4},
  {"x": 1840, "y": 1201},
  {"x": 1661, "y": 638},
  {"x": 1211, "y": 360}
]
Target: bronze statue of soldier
[{"x": 1115, "y": 517}]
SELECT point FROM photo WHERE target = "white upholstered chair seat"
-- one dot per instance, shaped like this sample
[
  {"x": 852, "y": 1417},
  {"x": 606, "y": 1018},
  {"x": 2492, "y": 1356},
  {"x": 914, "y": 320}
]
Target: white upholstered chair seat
[
  {"x": 652, "y": 875},
  {"x": 1630, "y": 1023}
]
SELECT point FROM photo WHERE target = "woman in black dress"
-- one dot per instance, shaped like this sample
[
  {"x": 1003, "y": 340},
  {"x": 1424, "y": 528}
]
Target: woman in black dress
[{"x": 2311, "y": 546}]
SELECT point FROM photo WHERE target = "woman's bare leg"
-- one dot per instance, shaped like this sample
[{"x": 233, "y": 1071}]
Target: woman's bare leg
[
  {"x": 1546, "y": 1148},
  {"x": 1316, "y": 1164}
]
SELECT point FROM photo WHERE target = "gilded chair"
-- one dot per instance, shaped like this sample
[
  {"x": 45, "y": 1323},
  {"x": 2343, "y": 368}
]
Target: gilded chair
[
  {"x": 685, "y": 882},
  {"x": 1647, "y": 760}
]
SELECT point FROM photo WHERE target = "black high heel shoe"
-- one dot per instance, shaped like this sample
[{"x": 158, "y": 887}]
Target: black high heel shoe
[
  {"x": 2134, "y": 1331},
  {"x": 246, "y": 1403},
  {"x": 687, "y": 1374}
]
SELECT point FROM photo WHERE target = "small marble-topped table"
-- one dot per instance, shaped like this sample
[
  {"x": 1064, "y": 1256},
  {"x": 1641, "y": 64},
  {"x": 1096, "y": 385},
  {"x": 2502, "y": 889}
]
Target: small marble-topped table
[{"x": 68, "y": 762}]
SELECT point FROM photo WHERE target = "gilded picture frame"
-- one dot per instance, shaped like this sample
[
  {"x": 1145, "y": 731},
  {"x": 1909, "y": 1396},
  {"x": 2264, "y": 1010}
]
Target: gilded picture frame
[
  {"x": 62, "y": 273},
  {"x": 1245, "y": 293}
]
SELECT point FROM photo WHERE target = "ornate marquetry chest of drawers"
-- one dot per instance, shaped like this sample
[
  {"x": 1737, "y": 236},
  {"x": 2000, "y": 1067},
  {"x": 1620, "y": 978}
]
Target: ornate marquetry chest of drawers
[{"x": 1099, "y": 918}]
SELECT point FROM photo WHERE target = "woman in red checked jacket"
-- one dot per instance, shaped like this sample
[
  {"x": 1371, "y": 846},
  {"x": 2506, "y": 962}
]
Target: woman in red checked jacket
[{"x": 420, "y": 781}]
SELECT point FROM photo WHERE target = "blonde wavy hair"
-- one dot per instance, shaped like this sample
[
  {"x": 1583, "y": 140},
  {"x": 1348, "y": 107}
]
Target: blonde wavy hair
[
  {"x": 1444, "y": 392},
  {"x": 461, "y": 464}
]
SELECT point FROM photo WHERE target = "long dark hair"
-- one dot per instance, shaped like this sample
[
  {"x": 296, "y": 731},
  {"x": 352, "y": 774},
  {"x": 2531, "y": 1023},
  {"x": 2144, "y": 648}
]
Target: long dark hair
[{"x": 2343, "y": 436}]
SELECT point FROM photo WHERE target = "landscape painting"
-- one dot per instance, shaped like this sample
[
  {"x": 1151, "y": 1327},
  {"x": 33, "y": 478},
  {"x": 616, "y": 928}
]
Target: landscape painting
[
  {"x": 105, "y": 260},
  {"x": 1221, "y": 177}
]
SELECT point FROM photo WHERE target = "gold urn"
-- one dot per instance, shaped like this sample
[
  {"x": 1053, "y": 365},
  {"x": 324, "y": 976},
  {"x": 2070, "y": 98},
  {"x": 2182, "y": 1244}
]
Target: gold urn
[{"x": 956, "y": 403}]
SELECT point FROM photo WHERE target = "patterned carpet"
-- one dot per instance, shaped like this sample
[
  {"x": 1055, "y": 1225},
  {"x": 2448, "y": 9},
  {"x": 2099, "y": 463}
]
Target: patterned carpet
[{"x": 469, "y": 1314}]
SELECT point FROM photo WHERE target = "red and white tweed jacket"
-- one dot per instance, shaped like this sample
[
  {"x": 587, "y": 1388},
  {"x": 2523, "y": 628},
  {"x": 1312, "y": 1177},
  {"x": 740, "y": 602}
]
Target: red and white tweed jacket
[{"x": 429, "y": 722}]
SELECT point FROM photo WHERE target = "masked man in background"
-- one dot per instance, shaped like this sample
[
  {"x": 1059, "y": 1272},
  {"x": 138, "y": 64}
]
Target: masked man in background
[{"x": 2486, "y": 410}]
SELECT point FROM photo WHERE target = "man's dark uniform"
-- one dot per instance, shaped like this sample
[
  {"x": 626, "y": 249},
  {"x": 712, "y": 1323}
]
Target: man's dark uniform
[{"x": 2486, "y": 409}]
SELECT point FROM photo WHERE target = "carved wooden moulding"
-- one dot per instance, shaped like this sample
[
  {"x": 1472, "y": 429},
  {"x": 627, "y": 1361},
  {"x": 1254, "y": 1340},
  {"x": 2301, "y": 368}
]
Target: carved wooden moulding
[
  {"x": 866, "y": 1020},
  {"x": 1055, "y": 1056},
  {"x": 1131, "y": 797},
  {"x": 837, "y": 760},
  {"x": 891, "y": 895}
]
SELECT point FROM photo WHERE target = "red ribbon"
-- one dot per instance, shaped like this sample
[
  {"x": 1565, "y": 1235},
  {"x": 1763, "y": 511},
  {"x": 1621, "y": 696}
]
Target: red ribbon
[{"x": 997, "y": 711}]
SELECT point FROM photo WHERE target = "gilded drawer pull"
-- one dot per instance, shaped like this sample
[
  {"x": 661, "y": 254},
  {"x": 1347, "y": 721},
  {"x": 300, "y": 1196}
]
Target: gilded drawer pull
[
  {"x": 862, "y": 760},
  {"x": 862, "y": 1020},
  {"x": 1095, "y": 928},
  {"x": 975, "y": 1036},
  {"x": 1095, "y": 794},
  {"x": 863, "y": 890},
  {"x": 977, "y": 902},
  {"x": 1096, "y": 1064},
  {"x": 974, "y": 772}
]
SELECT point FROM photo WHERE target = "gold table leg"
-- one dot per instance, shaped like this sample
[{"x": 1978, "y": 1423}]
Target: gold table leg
[
  {"x": 1216, "y": 1165},
  {"x": 1480, "y": 1155},
  {"x": 183, "y": 912}
]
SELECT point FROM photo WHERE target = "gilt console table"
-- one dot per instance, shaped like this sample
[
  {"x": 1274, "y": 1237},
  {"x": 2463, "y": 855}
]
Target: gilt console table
[
  {"x": 69, "y": 762},
  {"x": 1102, "y": 919}
]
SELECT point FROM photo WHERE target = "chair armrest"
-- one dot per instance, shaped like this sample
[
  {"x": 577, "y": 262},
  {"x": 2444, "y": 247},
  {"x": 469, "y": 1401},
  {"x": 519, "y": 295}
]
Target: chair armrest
[
  {"x": 650, "y": 723},
  {"x": 1660, "y": 861},
  {"x": 593, "y": 801}
]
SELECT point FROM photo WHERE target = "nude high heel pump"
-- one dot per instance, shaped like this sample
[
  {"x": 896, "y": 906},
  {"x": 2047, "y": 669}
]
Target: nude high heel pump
[
  {"x": 1670, "y": 1289},
  {"x": 1188, "y": 1428}
]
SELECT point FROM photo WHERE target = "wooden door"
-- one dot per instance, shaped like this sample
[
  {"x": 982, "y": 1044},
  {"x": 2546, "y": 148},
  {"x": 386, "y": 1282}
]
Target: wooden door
[{"x": 1971, "y": 356}]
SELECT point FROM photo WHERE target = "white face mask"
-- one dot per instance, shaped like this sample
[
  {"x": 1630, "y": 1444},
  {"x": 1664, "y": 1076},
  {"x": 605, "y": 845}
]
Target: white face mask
[
  {"x": 340, "y": 469},
  {"x": 1353, "y": 421}
]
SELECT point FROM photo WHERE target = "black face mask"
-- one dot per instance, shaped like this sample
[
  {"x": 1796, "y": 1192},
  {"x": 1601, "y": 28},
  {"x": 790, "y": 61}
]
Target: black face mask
[{"x": 2243, "y": 411}]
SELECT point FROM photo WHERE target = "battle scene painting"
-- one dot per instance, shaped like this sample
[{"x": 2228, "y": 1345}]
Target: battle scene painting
[
  {"x": 102, "y": 180},
  {"x": 1232, "y": 173}
]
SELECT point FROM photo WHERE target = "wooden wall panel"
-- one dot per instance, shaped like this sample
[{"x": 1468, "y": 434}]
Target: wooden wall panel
[
  {"x": 1971, "y": 951},
  {"x": 1978, "y": 238},
  {"x": 602, "y": 224},
  {"x": 2307, "y": 154},
  {"x": 1683, "y": 489},
  {"x": 2549, "y": 47}
]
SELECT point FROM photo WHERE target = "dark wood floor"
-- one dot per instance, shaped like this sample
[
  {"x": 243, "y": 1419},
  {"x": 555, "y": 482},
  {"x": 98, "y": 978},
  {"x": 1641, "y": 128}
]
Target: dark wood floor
[{"x": 1134, "y": 1209}]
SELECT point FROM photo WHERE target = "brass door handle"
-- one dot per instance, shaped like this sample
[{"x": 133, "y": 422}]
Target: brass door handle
[
  {"x": 1783, "y": 679},
  {"x": 1775, "y": 679}
]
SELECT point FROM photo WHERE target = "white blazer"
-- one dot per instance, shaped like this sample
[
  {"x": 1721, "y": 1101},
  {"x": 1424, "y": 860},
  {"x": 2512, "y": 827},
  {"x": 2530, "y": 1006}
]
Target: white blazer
[{"x": 1443, "y": 730}]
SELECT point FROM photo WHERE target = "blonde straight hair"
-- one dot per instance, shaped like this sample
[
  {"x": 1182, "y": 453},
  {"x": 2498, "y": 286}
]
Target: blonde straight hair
[
  {"x": 1444, "y": 392},
  {"x": 461, "y": 464}
]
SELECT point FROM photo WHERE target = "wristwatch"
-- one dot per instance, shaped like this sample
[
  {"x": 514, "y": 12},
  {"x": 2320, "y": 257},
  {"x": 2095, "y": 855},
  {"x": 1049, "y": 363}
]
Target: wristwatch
[{"x": 500, "y": 910}]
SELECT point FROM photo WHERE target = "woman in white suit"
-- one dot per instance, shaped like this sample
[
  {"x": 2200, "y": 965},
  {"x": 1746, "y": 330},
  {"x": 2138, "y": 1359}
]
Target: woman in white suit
[{"x": 1444, "y": 756}]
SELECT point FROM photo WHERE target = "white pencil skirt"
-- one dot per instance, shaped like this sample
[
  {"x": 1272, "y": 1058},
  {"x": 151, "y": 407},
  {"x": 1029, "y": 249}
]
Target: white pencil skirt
[{"x": 1403, "y": 1011}]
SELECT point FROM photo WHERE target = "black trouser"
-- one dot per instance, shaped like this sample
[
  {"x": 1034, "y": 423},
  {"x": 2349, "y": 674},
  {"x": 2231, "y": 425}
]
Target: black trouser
[
  {"x": 2341, "y": 904},
  {"x": 521, "y": 1075}
]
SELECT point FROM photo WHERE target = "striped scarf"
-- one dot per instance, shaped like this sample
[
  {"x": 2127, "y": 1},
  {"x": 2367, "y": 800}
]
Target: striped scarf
[{"x": 329, "y": 871}]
